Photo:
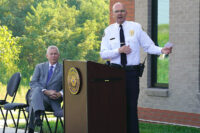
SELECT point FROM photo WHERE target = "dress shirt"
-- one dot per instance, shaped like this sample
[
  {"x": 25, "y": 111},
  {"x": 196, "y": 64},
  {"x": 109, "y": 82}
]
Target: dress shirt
[
  {"x": 54, "y": 66},
  {"x": 134, "y": 37}
]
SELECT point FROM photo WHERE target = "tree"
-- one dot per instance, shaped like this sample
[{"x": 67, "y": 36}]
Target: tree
[
  {"x": 50, "y": 23},
  {"x": 75, "y": 26},
  {"x": 13, "y": 14},
  {"x": 92, "y": 19},
  {"x": 9, "y": 53}
]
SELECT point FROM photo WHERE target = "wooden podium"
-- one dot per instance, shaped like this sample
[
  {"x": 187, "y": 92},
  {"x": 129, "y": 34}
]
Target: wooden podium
[{"x": 95, "y": 100}]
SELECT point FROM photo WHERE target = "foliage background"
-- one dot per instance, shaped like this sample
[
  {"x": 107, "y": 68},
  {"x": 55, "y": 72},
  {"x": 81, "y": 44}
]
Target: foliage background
[
  {"x": 28, "y": 27},
  {"x": 74, "y": 26}
]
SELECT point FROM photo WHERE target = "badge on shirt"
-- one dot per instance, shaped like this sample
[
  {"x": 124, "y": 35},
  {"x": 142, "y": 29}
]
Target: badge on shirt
[{"x": 131, "y": 32}]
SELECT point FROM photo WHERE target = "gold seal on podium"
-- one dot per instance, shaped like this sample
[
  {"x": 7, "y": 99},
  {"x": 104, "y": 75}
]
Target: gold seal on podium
[{"x": 73, "y": 80}]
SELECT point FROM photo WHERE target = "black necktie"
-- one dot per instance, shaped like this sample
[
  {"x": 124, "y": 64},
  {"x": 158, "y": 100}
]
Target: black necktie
[{"x": 122, "y": 42}]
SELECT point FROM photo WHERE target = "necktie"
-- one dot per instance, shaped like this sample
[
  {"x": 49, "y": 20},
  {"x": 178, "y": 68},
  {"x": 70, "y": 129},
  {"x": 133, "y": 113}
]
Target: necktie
[
  {"x": 122, "y": 42},
  {"x": 50, "y": 72}
]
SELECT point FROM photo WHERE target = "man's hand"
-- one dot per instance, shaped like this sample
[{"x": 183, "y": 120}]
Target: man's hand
[
  {"x": 52, "y": 94},
  {"x": 125, "y": 49},
  {"x": 166, "y": 50}
]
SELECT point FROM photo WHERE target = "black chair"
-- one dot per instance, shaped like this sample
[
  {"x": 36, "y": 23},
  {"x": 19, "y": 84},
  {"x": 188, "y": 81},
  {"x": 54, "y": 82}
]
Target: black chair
[
  {"x": 48, "y": 111},
  {"x": 59, "y": 115},
  {"x": 12, "y": 88},
  {"x": 17, "y": 106}
]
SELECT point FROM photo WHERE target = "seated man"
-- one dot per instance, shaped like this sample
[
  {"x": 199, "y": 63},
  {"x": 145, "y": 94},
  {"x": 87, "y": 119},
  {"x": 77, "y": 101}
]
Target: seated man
[{"x": 46, "y": 88}]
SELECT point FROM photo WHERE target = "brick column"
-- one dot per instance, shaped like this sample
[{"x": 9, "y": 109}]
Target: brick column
[{"x": 130, "y": 7}]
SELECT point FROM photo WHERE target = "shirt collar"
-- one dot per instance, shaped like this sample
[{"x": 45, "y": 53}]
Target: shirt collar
[
  {"x": 54, "y": 66},
  {"x": 123, "y": 24}
]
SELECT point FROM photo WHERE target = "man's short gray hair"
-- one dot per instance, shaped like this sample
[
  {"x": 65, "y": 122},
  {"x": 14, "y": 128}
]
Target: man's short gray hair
[
  {"x": 52, "y": 47},
  {"x": 117, "y": 3}
]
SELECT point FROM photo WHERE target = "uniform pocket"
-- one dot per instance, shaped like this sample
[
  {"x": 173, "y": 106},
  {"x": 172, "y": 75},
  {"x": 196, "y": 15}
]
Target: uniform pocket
[
  {"x": 132, "y": 43},
  {"x": 114, "y": 43}
]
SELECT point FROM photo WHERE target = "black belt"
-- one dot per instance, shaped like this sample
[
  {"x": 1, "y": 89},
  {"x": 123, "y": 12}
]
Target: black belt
[{"x": 129, "y": 67}]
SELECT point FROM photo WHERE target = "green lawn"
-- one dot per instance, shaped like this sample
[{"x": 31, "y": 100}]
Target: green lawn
[
  {"x": 45, "y": 127},
  {"x": 162, "y": 63},
  {"x": 161, "y": 128},
  {"x": 162, "y": 70},
  {"x": 144, "y": 128}
]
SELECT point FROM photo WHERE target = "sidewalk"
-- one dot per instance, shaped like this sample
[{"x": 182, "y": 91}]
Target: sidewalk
[
  {"x": 12, "y": 130},
  {"x": 8, "y": 129}
]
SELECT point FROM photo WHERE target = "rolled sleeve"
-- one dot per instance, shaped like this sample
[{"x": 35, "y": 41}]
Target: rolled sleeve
[{"x": 147, "y": 43}]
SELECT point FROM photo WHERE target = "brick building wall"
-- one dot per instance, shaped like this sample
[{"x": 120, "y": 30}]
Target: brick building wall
[
  {"x": 180, "y": 103},
  {"x": 169, "y": 117}
]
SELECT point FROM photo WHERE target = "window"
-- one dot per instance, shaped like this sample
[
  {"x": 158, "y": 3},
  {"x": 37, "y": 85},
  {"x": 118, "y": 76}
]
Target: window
[{"x": 160, "y": 35}]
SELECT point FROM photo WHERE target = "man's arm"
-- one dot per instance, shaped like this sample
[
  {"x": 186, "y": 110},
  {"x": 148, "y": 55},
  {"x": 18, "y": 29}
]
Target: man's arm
[
  {"x": 166, "y": 50},
  {"x": 106, "y": 51},
  {"x": 35, "y": 79},
  {"x": 150, "y": 47},
  {"x": 147, "y": 43},
  {"x": 52, "y": 94}
]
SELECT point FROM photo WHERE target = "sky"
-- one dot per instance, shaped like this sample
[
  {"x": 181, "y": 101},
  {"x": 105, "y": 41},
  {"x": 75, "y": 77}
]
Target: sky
[{"x": 163, "y": 11}]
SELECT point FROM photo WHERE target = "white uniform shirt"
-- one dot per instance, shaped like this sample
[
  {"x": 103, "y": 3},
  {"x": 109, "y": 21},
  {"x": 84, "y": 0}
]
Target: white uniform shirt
[{"x": 134, "y": 37}]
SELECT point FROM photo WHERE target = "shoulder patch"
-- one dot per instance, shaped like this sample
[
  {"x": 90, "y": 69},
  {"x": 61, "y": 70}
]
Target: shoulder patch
[{"x": 142, "y": 28}]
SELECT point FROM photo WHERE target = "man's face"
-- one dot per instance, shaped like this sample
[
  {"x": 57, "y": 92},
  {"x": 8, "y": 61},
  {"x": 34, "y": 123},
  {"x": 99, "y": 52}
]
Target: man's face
[
  {"x": 52, "y": 56},
  {"x": 119, "y": 13}
]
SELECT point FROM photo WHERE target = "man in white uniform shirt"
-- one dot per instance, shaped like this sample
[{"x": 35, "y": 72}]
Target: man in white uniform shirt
[{"x": 121, "y": 45}]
